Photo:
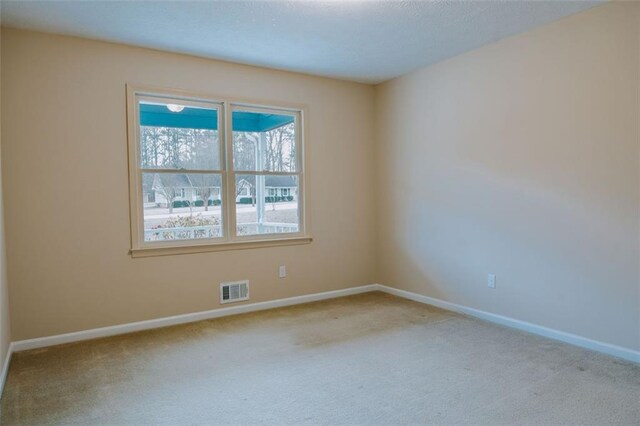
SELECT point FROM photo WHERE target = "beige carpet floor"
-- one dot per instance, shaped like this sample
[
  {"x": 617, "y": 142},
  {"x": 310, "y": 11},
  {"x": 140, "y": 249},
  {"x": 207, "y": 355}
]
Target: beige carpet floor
[{"x": 367, "y": 359}]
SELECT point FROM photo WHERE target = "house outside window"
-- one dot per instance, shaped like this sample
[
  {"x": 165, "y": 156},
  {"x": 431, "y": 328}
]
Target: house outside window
[{"x": 202, "y": 171}]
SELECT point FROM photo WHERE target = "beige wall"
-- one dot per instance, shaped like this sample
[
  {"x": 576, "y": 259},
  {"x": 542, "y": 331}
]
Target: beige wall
[
  {"x": 521, "y": 159},
  {"x": 65, "y": 154},
  {"x": 5, "y": 326}
]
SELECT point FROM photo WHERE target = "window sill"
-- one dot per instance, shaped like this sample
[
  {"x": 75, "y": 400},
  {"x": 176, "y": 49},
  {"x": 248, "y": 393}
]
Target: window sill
[{"x": 204, "y": 248}]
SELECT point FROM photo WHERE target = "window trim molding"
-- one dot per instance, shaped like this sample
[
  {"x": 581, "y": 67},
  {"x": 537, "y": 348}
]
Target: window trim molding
[
  {"x": 229, "y": 240},
  {"x": 225, "y": 246}
]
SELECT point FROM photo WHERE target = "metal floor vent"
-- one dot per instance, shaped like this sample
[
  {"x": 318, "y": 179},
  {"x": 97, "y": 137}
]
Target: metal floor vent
[{"x": 234, "y": 292}]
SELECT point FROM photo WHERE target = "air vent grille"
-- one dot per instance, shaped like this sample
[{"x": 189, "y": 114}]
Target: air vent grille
[{"x": 234, "y": 292}]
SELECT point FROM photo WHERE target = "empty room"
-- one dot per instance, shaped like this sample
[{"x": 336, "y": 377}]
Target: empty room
[{"x": 361, "y": 212}]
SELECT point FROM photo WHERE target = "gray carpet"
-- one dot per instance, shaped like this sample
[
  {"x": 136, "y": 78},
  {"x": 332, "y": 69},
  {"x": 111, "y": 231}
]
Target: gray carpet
[{"x": 366, "y": 359}]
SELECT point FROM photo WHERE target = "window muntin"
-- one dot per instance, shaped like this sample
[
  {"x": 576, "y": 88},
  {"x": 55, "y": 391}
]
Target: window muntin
[{"x": 185, "y": 195}]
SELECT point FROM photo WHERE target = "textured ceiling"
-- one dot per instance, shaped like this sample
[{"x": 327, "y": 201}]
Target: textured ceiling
[{"x": 366, "y": 41}]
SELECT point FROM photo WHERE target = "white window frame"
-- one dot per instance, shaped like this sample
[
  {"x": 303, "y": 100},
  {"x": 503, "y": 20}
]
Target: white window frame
[{"x": 230, "y": 240}]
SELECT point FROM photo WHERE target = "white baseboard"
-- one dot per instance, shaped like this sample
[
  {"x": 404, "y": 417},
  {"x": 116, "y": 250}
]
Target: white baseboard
[
  {"x": 41, "y": 342},
  {"x": 5, "y": 367},
  {"x": 583, "y": 342}
]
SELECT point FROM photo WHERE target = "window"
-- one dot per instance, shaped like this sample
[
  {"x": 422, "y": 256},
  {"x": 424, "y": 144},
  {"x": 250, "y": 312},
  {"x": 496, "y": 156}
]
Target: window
[{"x": 196, "y": 182}]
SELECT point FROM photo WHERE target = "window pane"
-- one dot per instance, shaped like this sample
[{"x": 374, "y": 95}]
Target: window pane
[
  {"x": 173, "y": 136},
  {"x": 259, "y": 212},
  {"x": 264, "y": 141},
  {"x": 181, "y": 206}
]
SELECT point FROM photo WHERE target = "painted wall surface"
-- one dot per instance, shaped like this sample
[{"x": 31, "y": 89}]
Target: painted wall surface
[
  {"x": 5, "y": 324},
  {"x": 521, "y": 159},
  {"x": 67, "y": 214}
]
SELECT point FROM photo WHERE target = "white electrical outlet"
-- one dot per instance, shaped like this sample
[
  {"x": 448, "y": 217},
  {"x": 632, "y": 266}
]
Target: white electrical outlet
[
  {"x": 491, "y": 281},
  {"x": 282, "y": 271}
]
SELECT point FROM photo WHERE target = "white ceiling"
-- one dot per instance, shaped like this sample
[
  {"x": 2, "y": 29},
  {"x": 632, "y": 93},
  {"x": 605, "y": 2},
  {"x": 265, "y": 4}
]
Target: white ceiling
[{"x": 366, "y": 41}]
